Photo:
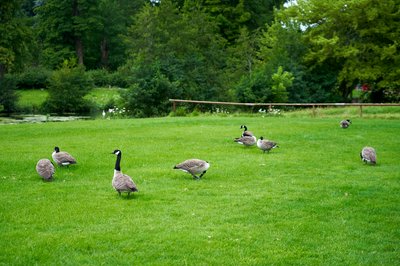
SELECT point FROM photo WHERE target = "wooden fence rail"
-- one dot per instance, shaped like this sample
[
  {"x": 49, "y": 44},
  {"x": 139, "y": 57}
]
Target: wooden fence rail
[{"x": 313, "y": 105}]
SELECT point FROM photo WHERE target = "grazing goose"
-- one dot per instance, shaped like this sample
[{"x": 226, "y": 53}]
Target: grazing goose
[
  {"x": 62, "y": 158},
  {"x": 45, "y": 169},
  {"x": 246, "y": 140},
  {"x": 246, "y": 132},
  {"x": 368, "y": 155},
  {"x": 120, "y": 181},
  {"x": 193, "y": 167},
  {"x": 266, "y": 145},
  {"x": 345, "y": 123}
]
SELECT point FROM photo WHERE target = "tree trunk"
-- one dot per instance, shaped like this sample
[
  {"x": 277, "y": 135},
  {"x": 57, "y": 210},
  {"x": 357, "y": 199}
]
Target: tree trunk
[
  {"x": 104, "y": 53},
  {"x": 345, "y": 90},
  {"x": 2, "y": 70},
  {"x": 79, "y": 50},
  {"x": 78, "y": 40}
]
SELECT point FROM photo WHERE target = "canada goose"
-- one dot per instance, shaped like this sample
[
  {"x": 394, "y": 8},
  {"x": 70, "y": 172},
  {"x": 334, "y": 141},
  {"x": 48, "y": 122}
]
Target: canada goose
[
  {"x": 368, "y": 155},
  {"x": 62, "y": 158},
  {"x": 246, "y": 140},
  {"x": 193, "y": 167},
  {"x": 266, "y": 145},
  {"x": 120, "y": 181},
  {"x": 246, "y": 132},
  {"x": 45, "y": 169},
  {"x": 345, "y": 123}
]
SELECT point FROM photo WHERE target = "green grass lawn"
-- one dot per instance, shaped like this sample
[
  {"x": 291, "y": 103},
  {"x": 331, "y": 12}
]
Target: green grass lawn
[
  {"x": 310, "y": 202},
  {"x": 31, "y": 99},
  {"x": 102, "y": 96}
]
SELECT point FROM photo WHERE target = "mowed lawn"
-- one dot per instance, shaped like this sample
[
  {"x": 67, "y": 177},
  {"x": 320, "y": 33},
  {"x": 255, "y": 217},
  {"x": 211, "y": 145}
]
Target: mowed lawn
[{"x": 309, "y": 202}]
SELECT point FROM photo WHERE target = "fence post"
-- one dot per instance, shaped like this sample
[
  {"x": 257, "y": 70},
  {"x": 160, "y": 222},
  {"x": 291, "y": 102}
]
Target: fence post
[
  {"x": 313, "y": 110},
  {"x": 361, "y": 114},
  {"x": 173, "y": 106}
]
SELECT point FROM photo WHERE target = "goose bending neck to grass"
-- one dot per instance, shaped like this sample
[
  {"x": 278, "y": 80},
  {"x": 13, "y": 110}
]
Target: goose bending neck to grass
[
  {"x": 62, "y": 158},
  {"x": 45, "y": 169},
  {"x": 246, "y": 140},
  {"x": 368, "y": 155},
  {"x": 266, "y": 145},
  {"x": 120, "y": 181},
  {"x": 345, "y": 123},
  {"x": 193, "y": 167},
  {"x": 246, "y": 132}
]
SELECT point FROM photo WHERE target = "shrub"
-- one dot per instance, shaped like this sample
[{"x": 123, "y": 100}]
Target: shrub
[
  {"x": 149, "y": 97},
  {"x": 103, "y": 78},
  {"x": 8, "y": 97},
  {"x": 67, "y": 87},
  {"x": 100, "y": 77},
  {"x": 33, "y": 78},
  {"x": 120, "y": 79}
]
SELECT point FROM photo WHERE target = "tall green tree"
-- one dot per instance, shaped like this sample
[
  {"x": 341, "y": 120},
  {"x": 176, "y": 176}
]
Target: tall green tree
[
  {"x": 89, "y": 30},
  {"x": 104, "y": 43},
  {"x": 181, "y": 47},
  {"x": 14, "y": 36},
  {"x": 232, "y": 16},
  {"x": 283, "y": 45},
  {"x": 361, "y": 36},
  {"x": 61, "y": 26},
  {"x": 241, "y": 58}
]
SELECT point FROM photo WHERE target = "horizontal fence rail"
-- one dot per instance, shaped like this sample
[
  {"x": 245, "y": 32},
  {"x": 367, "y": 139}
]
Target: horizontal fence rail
[{"x": 313, "y": 105}]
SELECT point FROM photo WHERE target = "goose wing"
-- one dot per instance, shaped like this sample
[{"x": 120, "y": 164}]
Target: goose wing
[
  {"x": 129, "y": 183},
  {"x": 344, "y": 124},
  {"x": 247, "y": 140},
  {"x": 122, "y": 182},
  {"x": 63, "y": 157},
  {"x": 45, "y": 169},
  {"x": 266, "y": 145},
  {"x": 194, "y": 166},
  {"x": 368, "y": 154},
  {"x": 247, "y": 133}
]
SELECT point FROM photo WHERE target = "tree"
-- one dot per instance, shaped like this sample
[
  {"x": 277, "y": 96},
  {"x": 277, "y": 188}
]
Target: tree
[
  {"x": 360, "y": 36},
  {"x": 280, "y": 81},
  {"x": 62, "y": 26},
  {"x": 14, "y": 36},
  {"x": 282, "y": 45},
  {"x": 178, "y": 46},
  {"x": 8, "y": 97},
  {"x": 104, "y": 45},
  {"x": 264, "y": 86},
  {"x": 233, "y": 16},
  {"x": 241, "y": 58},
  {"x": 67, "y": 87},
  {"x": 89, "y": 30}
]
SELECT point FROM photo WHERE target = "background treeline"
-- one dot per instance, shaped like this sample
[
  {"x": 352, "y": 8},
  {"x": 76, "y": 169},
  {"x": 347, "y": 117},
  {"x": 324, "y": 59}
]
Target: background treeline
[{"x": 238, "y": 50}]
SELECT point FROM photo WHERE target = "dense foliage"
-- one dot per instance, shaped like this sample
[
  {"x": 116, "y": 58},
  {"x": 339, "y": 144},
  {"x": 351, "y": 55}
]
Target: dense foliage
[
  {"x": 241, "y": 50},
  {"x": 68, "y": 86},
  {"x": 8, "y": 96}
]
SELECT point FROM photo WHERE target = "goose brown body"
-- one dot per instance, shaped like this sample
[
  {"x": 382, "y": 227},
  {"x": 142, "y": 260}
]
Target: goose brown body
[
  {"x": 122, "y": 182},
  {"x": 368, "y": 155},
  {"x": 345, "y": 123},
  {"x": 62, "y": 158},
  {"x": 45, "y": 169},
  {"x": 246, "y": 140},
  {"x": 266, "y": 145},
  {"x": 194, "y": 167}
]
